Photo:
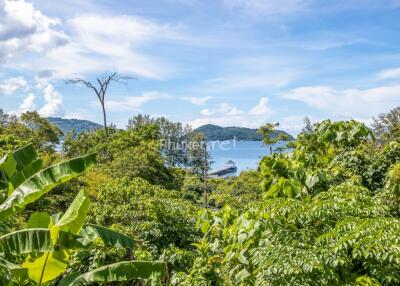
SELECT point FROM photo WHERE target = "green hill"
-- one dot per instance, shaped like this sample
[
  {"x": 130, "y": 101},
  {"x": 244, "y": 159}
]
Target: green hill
[
  {"x": 214, "y": 132},
  {"x": 78, "y": 125}
]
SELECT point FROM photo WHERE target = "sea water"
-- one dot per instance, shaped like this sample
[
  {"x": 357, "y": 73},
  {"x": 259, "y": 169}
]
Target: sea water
[{"x": 245, "y": 154}]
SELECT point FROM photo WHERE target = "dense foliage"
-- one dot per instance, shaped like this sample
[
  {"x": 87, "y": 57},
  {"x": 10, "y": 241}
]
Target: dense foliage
[
  {"x": 329, "y": 216},
  {"x": 161, "y": 217},
  {"x": 40, "y": 253},
  {"x": 324, "y": 212}
]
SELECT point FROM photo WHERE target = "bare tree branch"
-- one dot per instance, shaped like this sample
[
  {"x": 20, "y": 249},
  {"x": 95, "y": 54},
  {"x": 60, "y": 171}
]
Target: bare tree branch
[{"x": 101, "y": 88}]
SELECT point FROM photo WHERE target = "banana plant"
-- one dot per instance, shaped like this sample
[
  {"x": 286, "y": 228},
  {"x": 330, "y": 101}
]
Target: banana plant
[{"x": 44, "y": 247}]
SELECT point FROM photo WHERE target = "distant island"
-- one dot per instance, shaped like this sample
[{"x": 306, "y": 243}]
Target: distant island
[
  {"x": 214, "y": 132},
  {"x": 73, "y": 124},
  {"x": 211, "y": 132}
]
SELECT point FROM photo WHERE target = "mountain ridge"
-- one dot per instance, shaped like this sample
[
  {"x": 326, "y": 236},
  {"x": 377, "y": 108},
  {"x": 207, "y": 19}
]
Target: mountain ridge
[
  {"x": 79, "y": 125},
  {"x": 214, "y": 132}
]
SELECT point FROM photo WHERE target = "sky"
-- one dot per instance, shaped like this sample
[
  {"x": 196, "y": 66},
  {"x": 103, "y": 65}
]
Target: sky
[{"x": 224, "y": 62}]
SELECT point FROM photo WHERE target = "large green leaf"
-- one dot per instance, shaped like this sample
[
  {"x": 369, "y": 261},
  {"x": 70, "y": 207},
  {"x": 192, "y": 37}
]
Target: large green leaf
[
  {"x": 18, "y": 160},
  {"x": 121, "y": 271},
  {"x": 39, "y": 220},
  {"x": 45, "y": 268},
  {"x": 37, "y": 240},
  {"x": 18, "y": 273},
  {"x": 8, "y": 165},
  {"x": 24, "y": 156},
  {"x": 75, "y": 215},
  {"x": 107, "y": 235},
  {"x": 42, "y": 182},
  {"x": 22, "y": 175},
  {"x": 25, "y": 241}
]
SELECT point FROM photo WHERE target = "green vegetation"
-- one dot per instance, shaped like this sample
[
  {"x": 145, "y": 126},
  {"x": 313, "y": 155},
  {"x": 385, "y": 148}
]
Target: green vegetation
[
  {"x": 39, "y": 253},
  {"x": 214, "y": 132},
  {"x": 329, "y": 216},
  {"x": 139, "y": 212}
]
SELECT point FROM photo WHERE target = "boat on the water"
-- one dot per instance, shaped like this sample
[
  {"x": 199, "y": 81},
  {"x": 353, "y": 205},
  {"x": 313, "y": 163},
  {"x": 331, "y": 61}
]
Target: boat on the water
[{"x": 230, "y": 167}]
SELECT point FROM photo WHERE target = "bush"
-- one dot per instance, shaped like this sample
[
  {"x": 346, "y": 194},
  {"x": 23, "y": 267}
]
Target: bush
[{"x": 155, "y": 216}]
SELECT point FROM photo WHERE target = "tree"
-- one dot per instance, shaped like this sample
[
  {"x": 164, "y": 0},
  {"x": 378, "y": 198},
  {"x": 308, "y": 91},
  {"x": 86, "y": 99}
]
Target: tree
[
  {"x": 3, "y": 118},
  {"x": 308, "y": 126},
  {"x": 172, "y": 135},
  {"x": 269, "y": 136},
  {"x": 100, "y": 89},
  {"x": 387, "y": 125},
  {"x": 42, "y": 133},
  {"x": 199, "y": 159},
  {"x": 138, "y": 121}
]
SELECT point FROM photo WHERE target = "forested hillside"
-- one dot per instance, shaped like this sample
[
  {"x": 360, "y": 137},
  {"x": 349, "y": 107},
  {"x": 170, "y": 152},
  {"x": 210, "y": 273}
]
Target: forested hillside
[
  {"x": 77, "y": 125},
  {"x": 127, "y": 209},
  {"x": 214, "y": 132}
]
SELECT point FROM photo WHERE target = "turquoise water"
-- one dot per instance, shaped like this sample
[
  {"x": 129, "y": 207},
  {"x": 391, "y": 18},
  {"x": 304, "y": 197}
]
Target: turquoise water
[{"x": 246, "y": 154}]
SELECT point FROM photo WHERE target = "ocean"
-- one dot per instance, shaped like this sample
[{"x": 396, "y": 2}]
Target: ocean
[{"x": 245, "y": 154}]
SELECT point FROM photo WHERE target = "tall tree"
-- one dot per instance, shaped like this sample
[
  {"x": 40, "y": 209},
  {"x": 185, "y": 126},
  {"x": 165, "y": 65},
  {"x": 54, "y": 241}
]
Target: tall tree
[
  {"x": 308, "y": 126},
  {"x": 100, "y": 89},
  {"x": 42, "y": 133},
  {"x": 270, "y": 136},
  {"x": 171, "y": 134},
  {"x": 138, "y": 121},
  {"x": 3, "y": 118},
  {"x": 199, "y": 159},
  {"x": 387, "y": 125}
]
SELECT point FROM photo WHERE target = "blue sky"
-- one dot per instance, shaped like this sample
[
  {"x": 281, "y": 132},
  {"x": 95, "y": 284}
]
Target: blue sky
[{"x": 232, "y": 62}]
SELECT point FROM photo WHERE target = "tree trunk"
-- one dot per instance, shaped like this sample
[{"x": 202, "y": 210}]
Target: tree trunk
[
  {"x": 205, "y": 169},
  {"x": 104, "y": 118}
]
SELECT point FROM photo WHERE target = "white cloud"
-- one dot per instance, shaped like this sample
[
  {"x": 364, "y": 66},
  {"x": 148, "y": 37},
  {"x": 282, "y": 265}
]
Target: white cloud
[
  {"x": 293, "y": 124},
  {"x": 236, "y": 120},
  {"x": 25, "y": 29},
  {"x": 111, "y": 43},
  {"x": 226, "y": 114},
  {"x": 53, "y": 102},
  {"x": 349, "y": 103},
  {"x": 261, "y": 108},
  {"x": 197, "y": 100},
  {"x": 135, "y": 102},
  {"x": 87, "y": 43},
  {"x": 393, "y": 73},
  {"x": 207, "y": 112},
  {"x": 11, "y": 85},
  {"x": 224, "y": 109},
  {"x": 28, "y": 104}
]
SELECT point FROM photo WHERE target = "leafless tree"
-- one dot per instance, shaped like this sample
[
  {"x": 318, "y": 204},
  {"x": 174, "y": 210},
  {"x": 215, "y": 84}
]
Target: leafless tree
[{"x": 100, "y": 88}]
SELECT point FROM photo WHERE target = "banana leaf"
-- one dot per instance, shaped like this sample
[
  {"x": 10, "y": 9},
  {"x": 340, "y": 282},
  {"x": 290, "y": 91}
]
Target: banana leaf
[
  {"x": 107, "y": 235},
  {"x": 17, "y": 160},
  {"x": 75, "y": 215},
  {"x": 42, "y": 182},
  {"x": 117, "y": 272},
  {"x": 45, "y": 268},
  {"x": 22, "y": 175},
  {"x": 37, "y": 240}
]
